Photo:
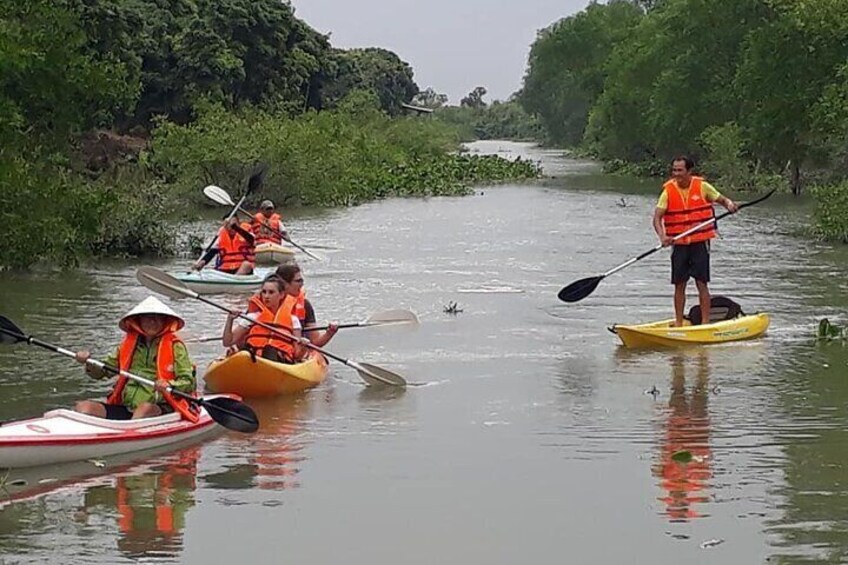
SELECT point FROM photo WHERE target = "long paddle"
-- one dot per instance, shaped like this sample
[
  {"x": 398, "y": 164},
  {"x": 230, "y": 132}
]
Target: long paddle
[
  {"x": 385, "y": 318},
  {"x": 253, "y": 185},
  {"x": 579, "y": 290},
  {"x": 163, "y": 283},
  {"x": 228, "y": 412},
  {"x": 221, "y": 196}
]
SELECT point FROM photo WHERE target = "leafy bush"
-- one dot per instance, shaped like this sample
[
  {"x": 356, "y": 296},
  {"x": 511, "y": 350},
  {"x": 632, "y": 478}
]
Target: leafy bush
[{"x": 831, "y": 212}]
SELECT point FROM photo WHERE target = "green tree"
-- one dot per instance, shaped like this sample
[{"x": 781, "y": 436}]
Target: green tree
[
  {"x": 375, "y": 69},
  {"x": 566, "y": 67},
  {"x": 474, "y": 99},
  {"x": 429, "y": 98},
  {"x": 788, "y": 66}
]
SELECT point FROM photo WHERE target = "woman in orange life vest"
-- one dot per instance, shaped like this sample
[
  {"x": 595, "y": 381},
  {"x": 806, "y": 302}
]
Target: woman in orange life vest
[
  {"x": 685, "y": 202},
  {"x": 267, "y": 225},
  {"x": 273, "y": 307},
  {"x": 150, "y": 349},
  {"x": 235, "y": 251},
  {"x": 292, "y": 278}
]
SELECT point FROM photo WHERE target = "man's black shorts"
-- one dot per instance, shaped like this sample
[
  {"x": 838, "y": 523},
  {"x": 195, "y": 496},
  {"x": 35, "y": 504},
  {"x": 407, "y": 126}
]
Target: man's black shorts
[
  {"x": 691, "y": 260},
  {"x": 121, "y": 412}
]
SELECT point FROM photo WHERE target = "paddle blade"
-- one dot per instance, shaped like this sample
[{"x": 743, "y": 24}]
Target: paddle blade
[
  {"x": 232, "y": 414},
  {"x": 257, "y": 178},
  {"x": 218, "y": 195},
  {"x": 374, "y": 375},
  {"x": 579, "y": 290},
  {"x": 392, "y": 317},
  {"x": 9, "y": 332},
  {"x": 161, "y": 282}
]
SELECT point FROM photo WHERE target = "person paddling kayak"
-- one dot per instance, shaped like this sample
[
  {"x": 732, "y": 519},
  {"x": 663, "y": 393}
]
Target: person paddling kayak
[
  {"x": 686, "y": 201},
  {"x": 235, "y": 250},
  {"x": 151, "y": 349},
  {"x": 267, "y": 225},
  {"x": 292, "y": 278},
  {"x": 271, "y": 306}
]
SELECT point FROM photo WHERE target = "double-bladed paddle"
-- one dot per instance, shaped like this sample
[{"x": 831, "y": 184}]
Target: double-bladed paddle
[
  {"x": 221, "y": 196},
  {"x": 253, "y": 184},
  {"x": 228, "y": 412},
  {"x": 579, "y": 290},
  {"x": 163, "y": 283},
  {"x": 385, "y": 318}
]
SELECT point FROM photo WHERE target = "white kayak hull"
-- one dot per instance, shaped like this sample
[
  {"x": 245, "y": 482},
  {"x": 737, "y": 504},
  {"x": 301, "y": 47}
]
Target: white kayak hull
[
  {"x": 61, "y": 436},
  {"x": 273, "y": 254},
  {"x": 210, "y": 281}
]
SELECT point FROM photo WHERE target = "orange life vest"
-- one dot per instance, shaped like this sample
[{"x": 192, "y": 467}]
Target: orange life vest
[
  {"x": 299, "y": 308},
  {"x": 234, "y": 249},
  {"x": 168, "y": 520},
  {"x": 259, "y": 337},
  {"x": 684, "y": 214},
  {"x": 263, "y": 233},
  {"x": 164, "y": 370}
]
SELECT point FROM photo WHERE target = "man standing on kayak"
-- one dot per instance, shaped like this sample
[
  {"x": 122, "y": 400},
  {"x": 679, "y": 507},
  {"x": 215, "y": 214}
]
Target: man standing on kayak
[{"x": 687, "y": 201}]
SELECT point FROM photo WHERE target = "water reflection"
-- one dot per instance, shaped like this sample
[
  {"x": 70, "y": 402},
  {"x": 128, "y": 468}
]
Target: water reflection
[
  {"x": 685, "y": 429},
  {"x": 140, "y": 507},
  {"x": 150, "y": 507},
  {"x": 274, "y": 454}
]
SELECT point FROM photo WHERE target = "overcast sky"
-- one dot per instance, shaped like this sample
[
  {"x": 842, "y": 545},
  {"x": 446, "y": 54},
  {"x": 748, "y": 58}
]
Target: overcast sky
[{"x": 452, "y": 45}]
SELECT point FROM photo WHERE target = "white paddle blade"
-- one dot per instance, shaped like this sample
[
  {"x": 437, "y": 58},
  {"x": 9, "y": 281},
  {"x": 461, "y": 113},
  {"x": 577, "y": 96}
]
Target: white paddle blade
[
  {"x": 161, "y": 282},
  {"x": 392, "y": 317},
  {"x": 374, "y": 375},
  {"x": 218, "y": 195}
]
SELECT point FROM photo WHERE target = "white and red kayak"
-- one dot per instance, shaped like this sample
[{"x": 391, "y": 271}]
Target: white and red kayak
[{"x": 62, "y": 435}]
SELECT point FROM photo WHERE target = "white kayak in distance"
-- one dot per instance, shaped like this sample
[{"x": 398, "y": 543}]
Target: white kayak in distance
[
  {"x": 62, "y": 436},
  {"x": 273, "y": 254},
  {"x": 210, "y": 281}
]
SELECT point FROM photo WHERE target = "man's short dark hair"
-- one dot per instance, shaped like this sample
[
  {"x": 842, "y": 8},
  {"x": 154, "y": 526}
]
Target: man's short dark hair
[{"x": 690, "y": 164}]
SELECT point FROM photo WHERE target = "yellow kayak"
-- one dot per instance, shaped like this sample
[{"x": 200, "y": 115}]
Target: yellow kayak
[
  {"x": 239, "y": 374},
  {"x": 664, "y": 334},
  {"x": 273, "y": 254}
]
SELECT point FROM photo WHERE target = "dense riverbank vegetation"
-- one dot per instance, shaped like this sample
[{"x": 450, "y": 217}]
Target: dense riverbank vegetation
[
  {"x": 113, "y": 114},
  {"x": 756, "y": 90}
]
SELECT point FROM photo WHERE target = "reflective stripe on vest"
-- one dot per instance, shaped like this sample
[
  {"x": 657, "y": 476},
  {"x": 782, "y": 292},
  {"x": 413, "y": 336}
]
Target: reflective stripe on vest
[
  {"x": 233, "y": 250},
  {"x": 684, "y": 214},
  {"x": 265, "y": 234},
  {"x": 164, "y": 370}
]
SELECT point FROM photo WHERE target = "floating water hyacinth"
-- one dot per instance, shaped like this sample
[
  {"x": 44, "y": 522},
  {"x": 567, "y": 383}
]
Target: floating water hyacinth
[{"x": 828, "y": 330}]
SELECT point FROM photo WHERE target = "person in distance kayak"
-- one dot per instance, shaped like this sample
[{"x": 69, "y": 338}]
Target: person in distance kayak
[
  {"x": 235, "y": 251},
  {"x": 685, "y": 202},
  {"x": 292, "y": 278},
  {"x": 272, "y": 306},
  {"x": 267, "y": 225},
  {"x": 150, "y": 349}
]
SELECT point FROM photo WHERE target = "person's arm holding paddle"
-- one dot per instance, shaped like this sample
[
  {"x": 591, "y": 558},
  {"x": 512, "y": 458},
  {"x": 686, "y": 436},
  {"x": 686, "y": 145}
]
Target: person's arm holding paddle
[{"x": 203, "y": 261}]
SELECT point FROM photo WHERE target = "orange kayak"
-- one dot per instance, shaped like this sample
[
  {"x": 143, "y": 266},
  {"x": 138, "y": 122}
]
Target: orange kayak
[{"x": 239, "y": 374}]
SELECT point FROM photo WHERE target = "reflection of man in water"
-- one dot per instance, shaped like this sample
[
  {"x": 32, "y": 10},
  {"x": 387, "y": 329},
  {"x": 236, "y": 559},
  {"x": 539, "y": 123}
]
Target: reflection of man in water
[
  {"x": 151, "y": 506},
  {"x": 687, "y": 428}
]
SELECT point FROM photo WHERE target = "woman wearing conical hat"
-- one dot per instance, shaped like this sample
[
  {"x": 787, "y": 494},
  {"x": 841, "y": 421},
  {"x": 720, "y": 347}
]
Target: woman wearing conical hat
[{"x": 150, "y": 349}]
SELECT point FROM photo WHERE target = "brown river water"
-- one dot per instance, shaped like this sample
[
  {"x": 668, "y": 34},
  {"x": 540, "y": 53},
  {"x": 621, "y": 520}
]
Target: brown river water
[{"x": 531, "y": 434}]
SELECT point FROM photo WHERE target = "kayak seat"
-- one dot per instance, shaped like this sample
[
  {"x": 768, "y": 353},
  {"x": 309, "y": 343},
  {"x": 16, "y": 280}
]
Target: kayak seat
[
  {"x": 113, "y": 424},
  {"x": 721, "y": 308}
]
